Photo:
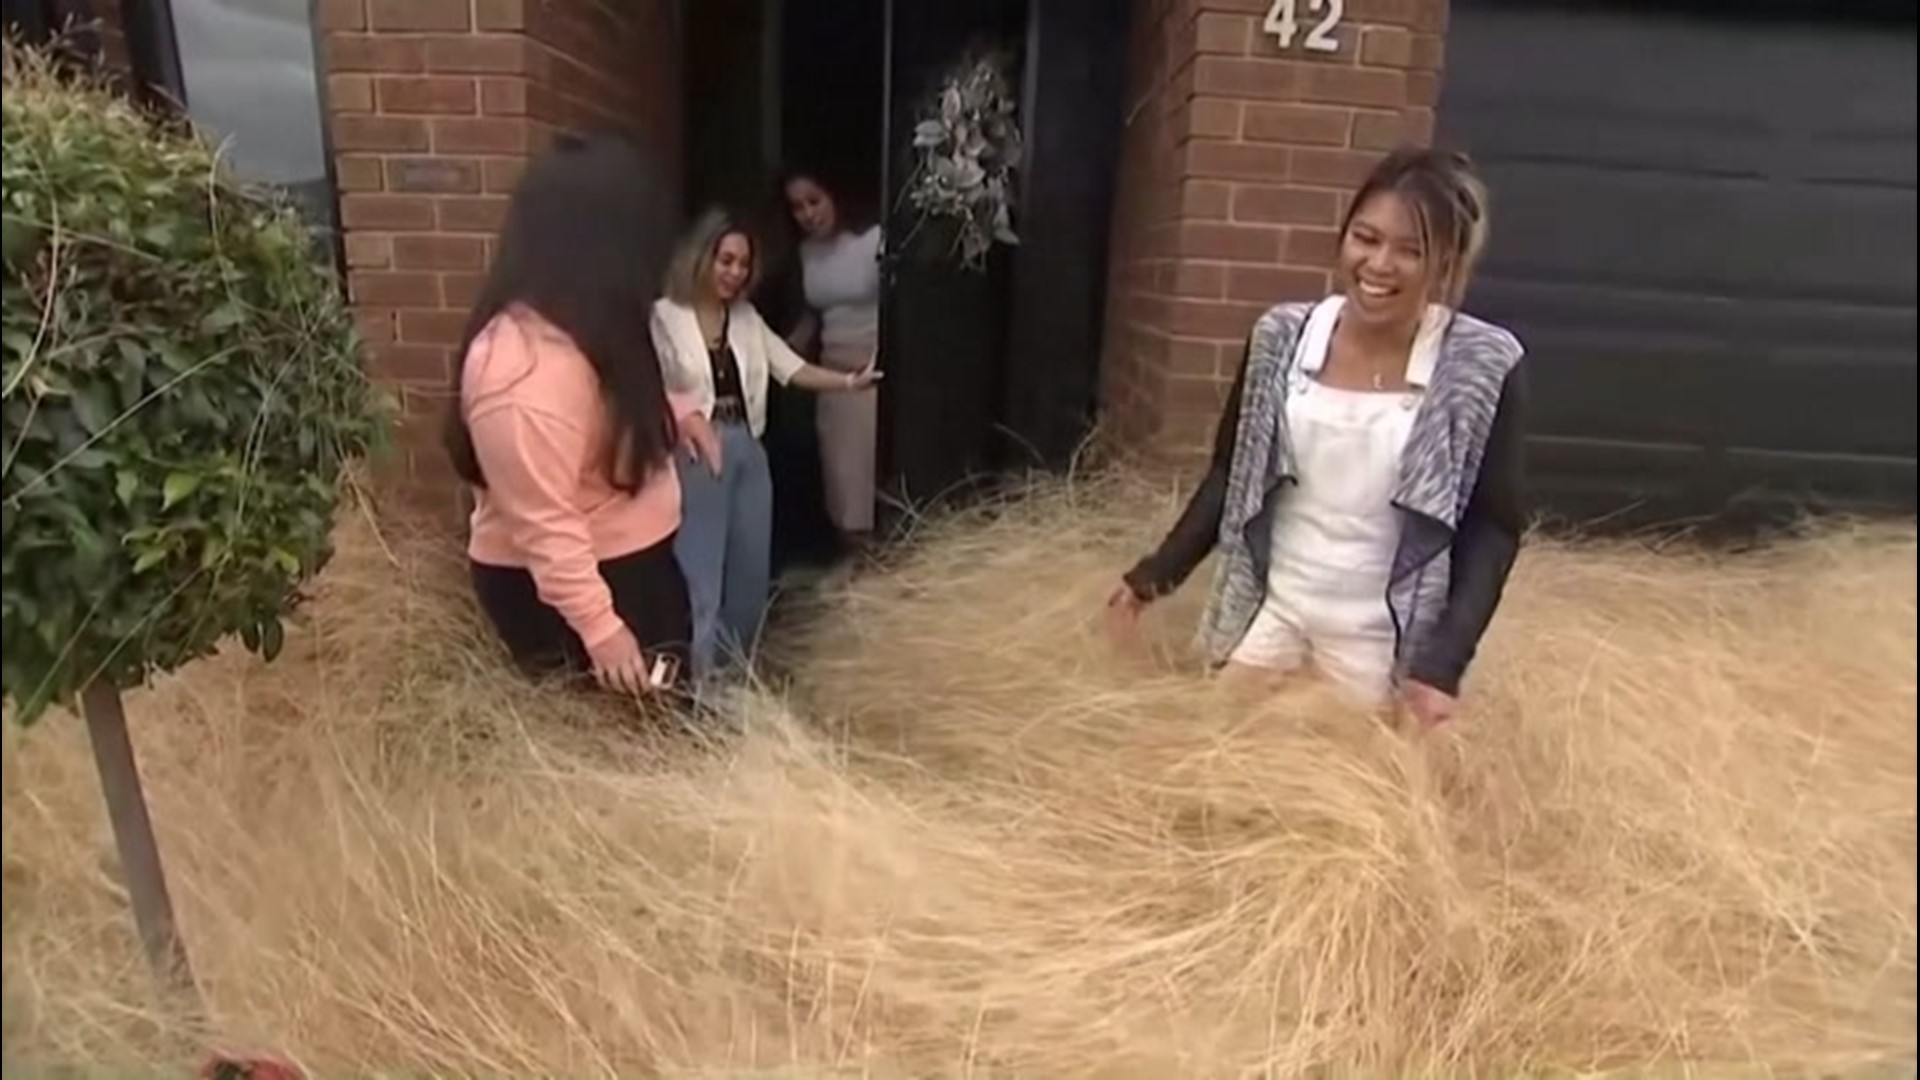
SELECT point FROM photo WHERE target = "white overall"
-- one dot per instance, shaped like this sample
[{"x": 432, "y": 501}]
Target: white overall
[{"x": 1335, "y": 533}]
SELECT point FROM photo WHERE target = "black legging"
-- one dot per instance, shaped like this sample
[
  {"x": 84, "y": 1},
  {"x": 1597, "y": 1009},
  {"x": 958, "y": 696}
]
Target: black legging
[{"x": 649, "y": 595}]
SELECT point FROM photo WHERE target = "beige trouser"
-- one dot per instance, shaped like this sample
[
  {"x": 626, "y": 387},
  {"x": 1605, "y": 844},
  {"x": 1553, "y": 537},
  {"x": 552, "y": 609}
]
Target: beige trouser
[{"x": 849, "y": 425}]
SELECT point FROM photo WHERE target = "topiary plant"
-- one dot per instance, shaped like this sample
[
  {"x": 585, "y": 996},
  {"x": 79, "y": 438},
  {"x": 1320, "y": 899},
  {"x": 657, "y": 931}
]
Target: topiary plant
[
  {"x": 183, "y": 399},
  {"x": 183, "y": 396}
]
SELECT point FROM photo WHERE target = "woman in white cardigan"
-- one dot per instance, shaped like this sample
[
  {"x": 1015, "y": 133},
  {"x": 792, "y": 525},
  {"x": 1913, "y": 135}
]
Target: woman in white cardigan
[{"x": 715, "y": 346}]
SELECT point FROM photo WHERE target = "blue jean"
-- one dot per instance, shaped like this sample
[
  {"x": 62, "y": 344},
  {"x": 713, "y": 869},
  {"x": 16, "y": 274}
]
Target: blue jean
[{"x": 725, "y": 546}]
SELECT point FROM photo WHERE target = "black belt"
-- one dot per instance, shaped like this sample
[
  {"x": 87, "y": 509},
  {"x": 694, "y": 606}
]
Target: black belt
[{"x": 729, "y": 411}]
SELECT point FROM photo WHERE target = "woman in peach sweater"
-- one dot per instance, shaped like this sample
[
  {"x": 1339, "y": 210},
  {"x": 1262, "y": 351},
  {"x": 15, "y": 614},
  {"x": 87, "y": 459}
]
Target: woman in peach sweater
[{"x": 566, "y": 432}]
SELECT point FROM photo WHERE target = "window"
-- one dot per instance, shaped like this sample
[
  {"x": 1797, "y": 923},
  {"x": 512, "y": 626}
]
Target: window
[{"x": 249, "y": 76}]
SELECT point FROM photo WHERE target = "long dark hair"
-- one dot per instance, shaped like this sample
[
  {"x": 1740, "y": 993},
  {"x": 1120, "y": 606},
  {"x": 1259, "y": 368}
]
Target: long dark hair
[
  {"x": 586, "y": 235},
  {"x": 856, "y": 200}
]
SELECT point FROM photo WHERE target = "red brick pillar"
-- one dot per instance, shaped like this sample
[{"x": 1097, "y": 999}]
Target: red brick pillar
[
  {"x": 434, "y": 107},
  {"x": 1237, "y": 159}
]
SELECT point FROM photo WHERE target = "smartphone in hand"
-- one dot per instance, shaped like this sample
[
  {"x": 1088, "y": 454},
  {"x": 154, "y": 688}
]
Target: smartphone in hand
[{"x": 664, "y": 672}]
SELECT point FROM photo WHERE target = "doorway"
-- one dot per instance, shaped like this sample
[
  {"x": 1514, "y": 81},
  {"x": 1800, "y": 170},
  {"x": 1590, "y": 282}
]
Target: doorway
[
  {"x": 986, "y": 367},
  {"x": 770, "y": 85},
  {"x": 831, "y": 71},
  {"x": 944, "y": 326},
  {"x": 995, "y": 368}
]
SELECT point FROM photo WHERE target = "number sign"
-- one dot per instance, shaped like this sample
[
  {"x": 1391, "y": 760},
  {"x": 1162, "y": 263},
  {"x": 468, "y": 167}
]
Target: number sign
[{"x": 1283, "y": 22}]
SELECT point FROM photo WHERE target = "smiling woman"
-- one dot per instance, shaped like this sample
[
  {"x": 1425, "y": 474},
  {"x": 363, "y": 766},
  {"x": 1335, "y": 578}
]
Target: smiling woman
[
  {"x": 1365, "y": 489},
  {"x": 715, "y": 347}
]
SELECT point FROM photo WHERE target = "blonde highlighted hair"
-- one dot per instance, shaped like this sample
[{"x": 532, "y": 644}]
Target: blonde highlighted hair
[
  {"x": 691, "y": 267},
  {"x": 1449, "y": 203}
]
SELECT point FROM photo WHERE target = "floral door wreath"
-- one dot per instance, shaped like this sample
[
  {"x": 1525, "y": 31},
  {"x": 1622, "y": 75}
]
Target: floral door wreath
[{"x": 967, "y": 148}]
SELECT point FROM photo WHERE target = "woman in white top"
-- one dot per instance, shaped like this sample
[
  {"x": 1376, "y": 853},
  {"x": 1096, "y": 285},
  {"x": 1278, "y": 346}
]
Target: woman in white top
[
  {"x": 1367, "y": 491},
  {"x": 715, "y": 347},
  {"x": 840, "y": 266}
]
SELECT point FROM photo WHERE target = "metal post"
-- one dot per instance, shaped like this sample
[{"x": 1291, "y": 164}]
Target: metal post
[{"x": 133, "y": 835}]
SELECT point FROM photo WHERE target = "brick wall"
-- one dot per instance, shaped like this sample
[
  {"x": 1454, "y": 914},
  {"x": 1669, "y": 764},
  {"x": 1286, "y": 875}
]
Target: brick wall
[
  {"x": 435, "y": 107},
  {"x": 1237, "y": 161}
]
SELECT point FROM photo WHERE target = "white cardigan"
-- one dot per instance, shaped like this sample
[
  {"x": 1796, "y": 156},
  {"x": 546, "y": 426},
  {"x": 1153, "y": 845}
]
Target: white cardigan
[{"x": 756, "y": 349}]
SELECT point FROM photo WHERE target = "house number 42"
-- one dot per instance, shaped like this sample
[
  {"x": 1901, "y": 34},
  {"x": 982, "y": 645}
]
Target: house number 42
[{"x": 1283, "y": 22}]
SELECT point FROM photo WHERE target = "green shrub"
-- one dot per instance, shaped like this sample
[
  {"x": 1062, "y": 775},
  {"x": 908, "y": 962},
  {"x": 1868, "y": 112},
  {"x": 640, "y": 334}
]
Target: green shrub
[{"x": 183, "y": 397}]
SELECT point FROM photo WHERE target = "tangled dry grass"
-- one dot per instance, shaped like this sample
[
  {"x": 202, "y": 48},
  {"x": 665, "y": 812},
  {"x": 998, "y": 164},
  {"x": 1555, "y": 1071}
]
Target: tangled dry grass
[{"x": 973, "y": 839}]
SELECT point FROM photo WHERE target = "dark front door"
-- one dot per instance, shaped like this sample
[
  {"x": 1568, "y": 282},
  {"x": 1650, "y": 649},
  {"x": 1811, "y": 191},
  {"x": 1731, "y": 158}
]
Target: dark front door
[
  {"x": 943, "y": 326},
  {"x": 1077, "y": 77},
  {"x": 997, "y": 366}
]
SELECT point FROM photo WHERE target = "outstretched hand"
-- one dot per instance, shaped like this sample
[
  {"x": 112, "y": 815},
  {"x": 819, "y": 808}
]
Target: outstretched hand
[{"x": 866, "y": 376}]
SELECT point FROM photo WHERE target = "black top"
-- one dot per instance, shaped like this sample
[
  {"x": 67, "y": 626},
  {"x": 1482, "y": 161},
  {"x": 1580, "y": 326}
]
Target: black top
[
  {"x": 729, "y": 395},
  {"x": 1484, "y": 545}
]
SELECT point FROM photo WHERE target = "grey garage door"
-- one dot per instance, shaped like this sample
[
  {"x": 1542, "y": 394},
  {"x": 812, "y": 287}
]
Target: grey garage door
[{"x": 1704, "y": 232}]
